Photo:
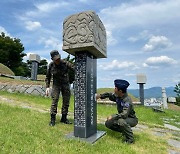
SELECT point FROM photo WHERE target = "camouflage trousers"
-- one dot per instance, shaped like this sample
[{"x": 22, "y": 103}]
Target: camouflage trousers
[
  {"x": 65, "y": 91},
  {"x": 122, "y": 125}
]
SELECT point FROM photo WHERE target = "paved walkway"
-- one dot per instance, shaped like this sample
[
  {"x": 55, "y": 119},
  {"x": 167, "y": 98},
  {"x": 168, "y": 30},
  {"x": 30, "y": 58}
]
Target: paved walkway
[{"x": 173, "y": 142}]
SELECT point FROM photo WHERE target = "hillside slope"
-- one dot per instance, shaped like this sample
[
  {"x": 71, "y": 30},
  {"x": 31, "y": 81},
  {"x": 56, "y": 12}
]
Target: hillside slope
[
  {"x": 155, "y": 92},
  {"x": 5, "y": 70}
]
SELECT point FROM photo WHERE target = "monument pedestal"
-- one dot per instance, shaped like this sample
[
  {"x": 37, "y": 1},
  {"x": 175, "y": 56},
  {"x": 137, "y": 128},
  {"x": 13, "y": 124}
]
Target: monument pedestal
[{"x": 91, "y": 139}]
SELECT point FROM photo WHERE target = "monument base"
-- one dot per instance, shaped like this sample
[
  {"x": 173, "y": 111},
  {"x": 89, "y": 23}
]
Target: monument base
[{"x": 92, "y": 139}]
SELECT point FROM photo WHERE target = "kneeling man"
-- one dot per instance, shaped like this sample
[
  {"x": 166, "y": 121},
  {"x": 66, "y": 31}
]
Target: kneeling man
[{"x": 125, "y": 118}]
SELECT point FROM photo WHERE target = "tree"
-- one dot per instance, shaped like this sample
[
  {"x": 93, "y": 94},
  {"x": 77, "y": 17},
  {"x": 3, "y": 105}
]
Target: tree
[
  {"x": 177, "y": 89},
  {"x": 42, "y": 67},
  {"x": 11, "y": 53},
  {"x": 23, "y": 70}
]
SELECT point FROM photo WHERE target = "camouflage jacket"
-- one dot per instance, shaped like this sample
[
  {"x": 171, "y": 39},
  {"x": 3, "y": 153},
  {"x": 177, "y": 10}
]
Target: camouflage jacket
[
  {"x": 124, "y": 105},
  {"x": 59, "y": 73}
]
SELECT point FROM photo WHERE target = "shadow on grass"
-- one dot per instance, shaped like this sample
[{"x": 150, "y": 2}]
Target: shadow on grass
[{"x": 110, "y": 133}]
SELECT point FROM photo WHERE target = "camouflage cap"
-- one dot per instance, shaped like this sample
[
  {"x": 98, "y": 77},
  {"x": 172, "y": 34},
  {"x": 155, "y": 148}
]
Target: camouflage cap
[{"x": 55, "y": 55}]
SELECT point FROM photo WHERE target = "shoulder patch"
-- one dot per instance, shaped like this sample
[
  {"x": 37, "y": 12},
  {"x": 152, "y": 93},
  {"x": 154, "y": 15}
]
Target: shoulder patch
[{"x": 126, "y": 104}]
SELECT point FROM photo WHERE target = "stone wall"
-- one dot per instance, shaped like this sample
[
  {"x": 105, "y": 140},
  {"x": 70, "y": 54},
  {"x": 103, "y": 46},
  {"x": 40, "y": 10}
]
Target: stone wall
[{"x": 27, "y": 89}]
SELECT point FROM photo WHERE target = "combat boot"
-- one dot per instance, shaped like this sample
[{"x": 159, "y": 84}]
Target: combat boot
[
  {"x": 128, "y": 141},
  {"x": 64, "y": 119},
  {"x": 53, "y": 120}
]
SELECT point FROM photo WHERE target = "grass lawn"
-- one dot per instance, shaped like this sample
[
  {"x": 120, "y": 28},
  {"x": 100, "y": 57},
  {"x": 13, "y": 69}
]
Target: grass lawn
[
  {"x": 27, "y": 131},
  {"x": 24, "y": 82}
]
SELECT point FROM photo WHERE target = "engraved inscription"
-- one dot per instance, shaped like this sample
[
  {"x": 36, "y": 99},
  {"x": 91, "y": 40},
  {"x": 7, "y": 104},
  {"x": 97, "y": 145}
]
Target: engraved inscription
[
  {"x": 92, "y": 91},
  {"x": 80, "y": 91}
]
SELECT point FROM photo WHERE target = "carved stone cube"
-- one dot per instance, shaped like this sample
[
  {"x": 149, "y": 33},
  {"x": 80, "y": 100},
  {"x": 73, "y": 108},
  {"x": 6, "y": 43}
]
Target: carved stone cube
[
  {"x": 84, "y": 32},
  {"x": 34, "y": 57},
  {"x": 141, "y": 79}
]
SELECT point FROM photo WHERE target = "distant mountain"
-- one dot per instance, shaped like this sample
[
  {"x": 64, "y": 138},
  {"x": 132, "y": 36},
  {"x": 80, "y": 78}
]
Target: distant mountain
[{"x": 155, "y": 92}]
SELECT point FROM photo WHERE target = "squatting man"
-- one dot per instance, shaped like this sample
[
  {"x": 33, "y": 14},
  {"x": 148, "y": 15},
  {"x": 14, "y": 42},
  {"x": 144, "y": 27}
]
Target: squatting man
[
  {"x": 126, "y": 118},
  {"x": 58, "y": 70}
]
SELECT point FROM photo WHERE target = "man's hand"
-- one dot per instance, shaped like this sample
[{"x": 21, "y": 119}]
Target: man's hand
[
  {"x": 109, "y": 118},
  {"x": 47, "y": 91},
  {"x": 97, "y": 96}
]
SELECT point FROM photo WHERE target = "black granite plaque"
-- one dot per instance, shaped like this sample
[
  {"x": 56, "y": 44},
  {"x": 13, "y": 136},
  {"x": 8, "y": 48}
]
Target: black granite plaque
[{"x": 85, "y": 110}]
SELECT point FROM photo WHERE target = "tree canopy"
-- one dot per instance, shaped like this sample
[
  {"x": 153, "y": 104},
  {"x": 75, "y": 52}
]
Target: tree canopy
[
  {"x": 11, "y": 53},
  {"x": 177, "y": 89}
]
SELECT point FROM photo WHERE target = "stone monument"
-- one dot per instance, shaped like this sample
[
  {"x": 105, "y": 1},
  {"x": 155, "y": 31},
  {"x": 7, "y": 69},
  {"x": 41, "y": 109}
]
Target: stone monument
[
  {"x": 141, "y": 80},
  {"x": 164, "y": 98},
  {"x": 35, "y": 59},
  {"x": 84, "y": 36}
]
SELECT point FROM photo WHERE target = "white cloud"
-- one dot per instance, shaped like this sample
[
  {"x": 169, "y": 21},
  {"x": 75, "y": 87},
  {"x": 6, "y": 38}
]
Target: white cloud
[
  {"x": 134, "y": 14},
  {"x": 144, "y": 35},
  {"x": 159, "y": 61},
  {"x": 114, "y": 65},
  {"x": 2, "y": 29},
  {"x": 51, "y": 42},
  {"x": 110, "y": 39},
  {"x": 140, "y": 14},
  {"x": 42, "y": 8},
  {"x": 49, "y": 6},
  {"x": 157, "y": 43},
  {"x": 32, "y": 25}
]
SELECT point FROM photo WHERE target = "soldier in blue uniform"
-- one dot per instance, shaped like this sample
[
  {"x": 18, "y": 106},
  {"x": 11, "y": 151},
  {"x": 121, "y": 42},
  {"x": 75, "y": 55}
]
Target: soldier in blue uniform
[
  {"x": 58, "y": 70},
  {"x": 125, "y": 118}
]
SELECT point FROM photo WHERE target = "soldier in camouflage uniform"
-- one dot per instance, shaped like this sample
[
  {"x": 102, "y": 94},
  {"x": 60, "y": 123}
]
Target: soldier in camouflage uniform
[
  {"x": 126, "y": 118},
  {"x": 58, "y": 70}
]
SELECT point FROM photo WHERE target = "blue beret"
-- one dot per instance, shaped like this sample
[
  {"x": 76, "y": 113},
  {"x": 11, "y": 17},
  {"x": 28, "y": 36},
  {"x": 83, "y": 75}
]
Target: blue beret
[{"x": 121, "y": 84}]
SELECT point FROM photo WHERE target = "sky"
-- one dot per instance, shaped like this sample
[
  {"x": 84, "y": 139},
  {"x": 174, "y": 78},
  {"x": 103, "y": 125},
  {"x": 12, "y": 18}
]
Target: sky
[{"x": 143, "y": 36}]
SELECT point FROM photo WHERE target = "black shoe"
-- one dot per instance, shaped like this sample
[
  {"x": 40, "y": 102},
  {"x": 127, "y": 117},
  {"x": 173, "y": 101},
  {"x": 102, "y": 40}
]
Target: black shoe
[
  {"x": 53, "y": 120},
  {"x": 52, "y": 123},
  {"x": 128, "y": 141},
  {"x": 64, "y": 119}
]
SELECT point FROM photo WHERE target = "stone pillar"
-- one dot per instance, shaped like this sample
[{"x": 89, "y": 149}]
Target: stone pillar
[
  {"x": 35, "y": 59},
  {"x": 164, "y": 98},
  {"x": 85, "y": 112},
  {"x": 84, "y": 36},
  {"x": 141, "y": 80},
  {"x": 141, "y": 93}
]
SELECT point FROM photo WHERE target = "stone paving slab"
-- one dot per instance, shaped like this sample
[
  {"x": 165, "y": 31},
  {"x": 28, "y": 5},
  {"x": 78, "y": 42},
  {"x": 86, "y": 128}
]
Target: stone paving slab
[
  {"x": 173, "y": 152},
  {"x": 174, "y": 143},
  {"x": 171, "y": 127}
]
